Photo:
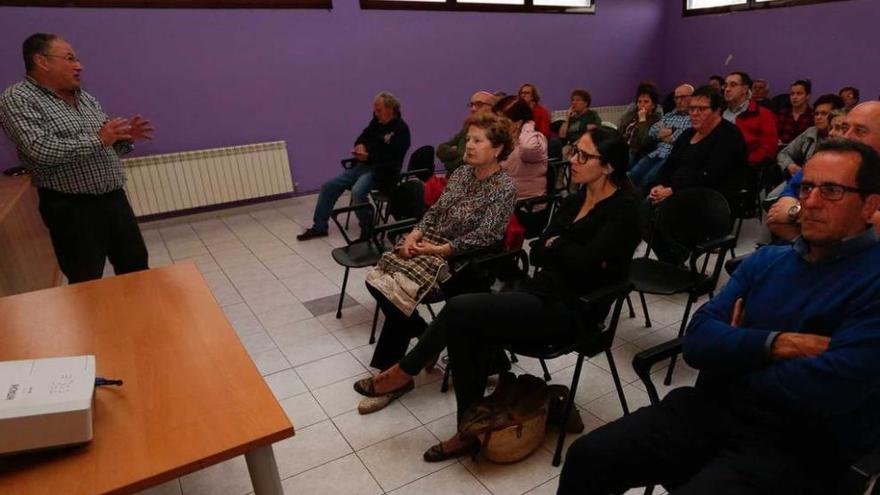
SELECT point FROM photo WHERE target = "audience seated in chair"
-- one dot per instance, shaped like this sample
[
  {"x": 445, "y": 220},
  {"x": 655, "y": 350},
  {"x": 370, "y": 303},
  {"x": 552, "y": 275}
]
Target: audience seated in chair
[
  {"x": 716, "y": 82},
  {"x": 789, "y": 357},
  {"x": 757, "y": 124},
  {"x": 862, "y": 124},
  {"x": 711, "y": 154},
  {"x": 761, "y": 94},
  {"x": 589, "y": 245},
  {"x": 451, "y": 153},
  {"x": 636, "y": 123},
  {"x": 850, "y": 96},
  {"x": 580, "y": 117},
  {"x": 797, "y": 152},
  {"x": 473, "y": 212},
  {"x": 540, "y": 115},
  {"x": 664, "y": 133},
  {"x": 527, "y": 162},
  {"x": 631, "y": 113},
  {"x": 795, "y": 118},
  {"x": 378, "y": 153}
]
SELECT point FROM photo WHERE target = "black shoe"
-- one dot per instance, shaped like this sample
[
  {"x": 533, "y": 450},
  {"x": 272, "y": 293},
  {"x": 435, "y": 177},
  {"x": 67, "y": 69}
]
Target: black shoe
[{"x": 310, "y": 233}]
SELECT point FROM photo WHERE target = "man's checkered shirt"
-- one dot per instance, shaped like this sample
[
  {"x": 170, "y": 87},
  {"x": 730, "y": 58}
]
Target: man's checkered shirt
[{"x": 59, "y": 143}]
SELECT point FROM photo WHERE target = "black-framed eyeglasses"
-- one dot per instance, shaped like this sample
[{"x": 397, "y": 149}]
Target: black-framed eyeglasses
[
  {"x": 828, "y": 190},
  {"x": 577, "y": 155},
  {"x": 698, "y": 108},
  {"x": 479, "y": 104},
  {"x": 68, "y": 58}
]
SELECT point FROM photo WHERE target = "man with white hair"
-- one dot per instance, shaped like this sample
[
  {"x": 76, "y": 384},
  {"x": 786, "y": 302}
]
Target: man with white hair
[{"x": 378, "y": 154}]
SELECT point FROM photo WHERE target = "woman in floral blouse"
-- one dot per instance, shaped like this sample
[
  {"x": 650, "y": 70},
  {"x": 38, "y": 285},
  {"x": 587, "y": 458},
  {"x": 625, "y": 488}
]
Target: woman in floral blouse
[{"x": 473, "y": 212}]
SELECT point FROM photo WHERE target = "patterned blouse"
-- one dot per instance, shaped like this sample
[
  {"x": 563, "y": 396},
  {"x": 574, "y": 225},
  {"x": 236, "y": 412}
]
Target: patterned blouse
[{"x": 472, "y": 213}]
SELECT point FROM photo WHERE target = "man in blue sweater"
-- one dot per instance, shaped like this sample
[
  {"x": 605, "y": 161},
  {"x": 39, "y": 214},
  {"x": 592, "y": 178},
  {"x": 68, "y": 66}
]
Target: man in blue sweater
[{"x": 789, "y": 357}]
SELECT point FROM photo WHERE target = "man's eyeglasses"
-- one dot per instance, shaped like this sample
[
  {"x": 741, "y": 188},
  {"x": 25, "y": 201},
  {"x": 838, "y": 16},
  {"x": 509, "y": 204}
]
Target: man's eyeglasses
[
  {"x": 68, "y": 58},
  {"x": 698, "y": 108},
  {"x": 681, "y": 97},
  {"x": 577, "y": 155},
  {"x": 731, "y": 84},
  {"x": 828, "y": 191},
  {"x": 479, "y": 104}
]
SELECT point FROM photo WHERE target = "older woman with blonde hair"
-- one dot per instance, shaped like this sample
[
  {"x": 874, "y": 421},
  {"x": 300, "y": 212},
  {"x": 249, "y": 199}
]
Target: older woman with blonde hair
[{"x": 473, "y": 212}]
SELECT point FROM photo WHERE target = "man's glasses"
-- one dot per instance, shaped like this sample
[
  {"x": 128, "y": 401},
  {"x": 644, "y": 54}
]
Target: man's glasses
[
  {"x": 829, "y": 190},
  {"x": 681, "y": 97},
  {"x": 731, "y": 84},
  {"x": 577, "y": 155},
  {"x": 478, "y": 104},
  {"x": 68, "y": 58},
  {"x": 698, "y": 108}
]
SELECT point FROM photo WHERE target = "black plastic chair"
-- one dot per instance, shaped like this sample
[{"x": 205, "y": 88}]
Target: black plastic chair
[
  {"x": 591, "y": 342},
  {"x": 363, "y": 252},
  {"x": 421, "y": 166},
  {"x": 698, "y": 220}
]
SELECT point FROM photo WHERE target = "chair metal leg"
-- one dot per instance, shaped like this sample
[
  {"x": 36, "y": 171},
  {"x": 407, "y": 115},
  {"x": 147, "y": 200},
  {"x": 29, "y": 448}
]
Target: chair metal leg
[
  {"x": 629, "y": 304},
  {"x": 649, "y": 490},
  {"x": 430, "y": 310},
  {"x": 375, "y": 321},
  {"x": 617, "y": 383},
  {"x": 645, "y": 309},
  {"x": 444, "y": 387},
  {"x": 348, "y": 214},
  {"x": 687, "y": 311},
  {"x": 557, "y": 456},
  {"x": 342, "y": 294},
  {"x": 547, "y": 376},
  {"x": 513, "y": 358}
]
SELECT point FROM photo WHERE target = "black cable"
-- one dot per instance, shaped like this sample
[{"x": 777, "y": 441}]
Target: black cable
[{"x": 100, "y": 382}]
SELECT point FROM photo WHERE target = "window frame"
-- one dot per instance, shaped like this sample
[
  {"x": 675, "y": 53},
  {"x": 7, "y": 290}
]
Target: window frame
[
  {"x": 454, "y": 6},
  {"x": 177, "y": 4},
  {"x": 750, "y": 5}
]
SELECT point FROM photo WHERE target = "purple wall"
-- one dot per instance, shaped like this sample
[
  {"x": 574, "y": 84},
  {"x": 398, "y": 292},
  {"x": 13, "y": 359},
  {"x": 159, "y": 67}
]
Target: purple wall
[
  {"x": 831, "y": 44},
  {"x": 211, "y": 78}
]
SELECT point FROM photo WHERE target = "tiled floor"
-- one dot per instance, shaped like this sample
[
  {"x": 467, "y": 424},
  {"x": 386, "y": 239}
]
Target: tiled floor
[{"x": 280, "y": 294}]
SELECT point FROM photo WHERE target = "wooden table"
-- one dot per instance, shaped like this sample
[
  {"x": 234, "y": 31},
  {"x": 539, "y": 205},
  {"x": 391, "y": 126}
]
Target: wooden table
[
  {"x": 27, "y": 260},
  {"x": 192, "y": 396}
]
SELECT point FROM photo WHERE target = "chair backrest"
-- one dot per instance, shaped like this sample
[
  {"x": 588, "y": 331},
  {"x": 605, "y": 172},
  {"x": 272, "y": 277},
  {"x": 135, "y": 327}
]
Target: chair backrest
[
  {"x": 693, "y": 216},
  {"x": 423, "y": 159}
]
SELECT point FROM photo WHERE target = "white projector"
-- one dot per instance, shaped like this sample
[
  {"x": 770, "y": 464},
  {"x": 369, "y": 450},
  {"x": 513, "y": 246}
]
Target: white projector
[{"x": 46, "y": 403}]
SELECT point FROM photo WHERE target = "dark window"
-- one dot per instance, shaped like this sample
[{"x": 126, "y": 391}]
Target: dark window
[
  {"x": 180, "y": 4},
  {"x": 549, "y": 6},
  {"x": 699, "y": 7}
]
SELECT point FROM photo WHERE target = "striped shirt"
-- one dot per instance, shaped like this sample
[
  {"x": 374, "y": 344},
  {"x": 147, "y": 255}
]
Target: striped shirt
[
  {"x": 59, "y": 143},
  {"x": 678, "y": 122}
]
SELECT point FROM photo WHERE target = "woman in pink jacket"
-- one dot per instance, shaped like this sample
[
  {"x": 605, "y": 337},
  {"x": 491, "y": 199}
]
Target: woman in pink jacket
[{"x": 527, "y": 164}]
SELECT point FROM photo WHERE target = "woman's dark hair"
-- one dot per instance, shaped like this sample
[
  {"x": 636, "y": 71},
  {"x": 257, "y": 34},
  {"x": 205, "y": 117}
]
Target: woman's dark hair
[
  {"x": 648, "y": 88},
  {"x": 805, "y": 83},
  {"x": 613, "y": 151},
  {"x": 855, "y": 91},
  {"x": 536, "y": 95},
  {"x": 514, "y": 108},
  {"x": 498, "y": 131},
  {"x": 835, "y": 101},
  {"x": 716, "y": 101},
  {"x": 583, "y": 94},
  {"x": 34, "y": 44}
]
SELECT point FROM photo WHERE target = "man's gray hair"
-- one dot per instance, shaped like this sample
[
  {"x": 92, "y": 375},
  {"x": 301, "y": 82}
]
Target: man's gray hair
[{"x": 389, "y": 100}]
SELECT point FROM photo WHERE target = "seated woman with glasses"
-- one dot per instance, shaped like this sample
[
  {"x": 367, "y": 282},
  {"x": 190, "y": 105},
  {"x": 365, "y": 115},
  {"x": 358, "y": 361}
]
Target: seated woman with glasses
[
  {"x": 710, "y": 154},
  {"x": 589, "y": 245},
  {"x": 529, "y": 92}
]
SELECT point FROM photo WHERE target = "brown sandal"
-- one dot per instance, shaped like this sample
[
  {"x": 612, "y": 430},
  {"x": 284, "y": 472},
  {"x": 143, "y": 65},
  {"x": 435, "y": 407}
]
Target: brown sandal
[{"x": 437, "y": 454}]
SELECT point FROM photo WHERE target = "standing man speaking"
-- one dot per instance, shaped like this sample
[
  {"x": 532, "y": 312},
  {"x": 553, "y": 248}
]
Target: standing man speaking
[{"x": 71, "y": 149}]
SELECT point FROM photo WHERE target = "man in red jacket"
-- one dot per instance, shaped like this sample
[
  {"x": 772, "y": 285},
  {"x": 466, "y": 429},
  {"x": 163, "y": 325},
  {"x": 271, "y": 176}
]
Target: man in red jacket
[{"x": 758, "y": 127}]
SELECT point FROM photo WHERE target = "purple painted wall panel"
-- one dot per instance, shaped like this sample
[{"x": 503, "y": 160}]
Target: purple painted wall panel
[
  {"x": 829, "y": 43},
  {"x": 211, "y": 78}
]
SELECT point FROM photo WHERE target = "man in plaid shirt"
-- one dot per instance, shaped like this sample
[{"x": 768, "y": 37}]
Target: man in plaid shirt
[{"x": 71, "y": 149}]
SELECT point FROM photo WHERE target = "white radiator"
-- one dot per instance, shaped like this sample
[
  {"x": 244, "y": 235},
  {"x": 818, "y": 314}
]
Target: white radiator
[
  {"x": 610, "y": 113},
  {"x": 192, "y": 179}
]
